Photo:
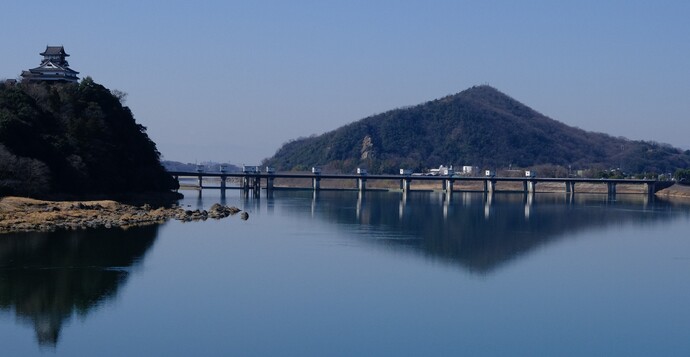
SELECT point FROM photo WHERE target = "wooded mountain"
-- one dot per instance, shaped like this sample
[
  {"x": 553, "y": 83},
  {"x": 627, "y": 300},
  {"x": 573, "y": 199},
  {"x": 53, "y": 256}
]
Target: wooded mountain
[
  {"x": 477, "y": 127},
  {"x": 73, "y": 138}
]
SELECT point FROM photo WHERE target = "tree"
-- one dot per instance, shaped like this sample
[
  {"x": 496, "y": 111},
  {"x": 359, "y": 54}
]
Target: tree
[
  {"x": 22, "y": 176},
  {"x": 77, "y": 139},
  {"x": 682, "y": 176}
]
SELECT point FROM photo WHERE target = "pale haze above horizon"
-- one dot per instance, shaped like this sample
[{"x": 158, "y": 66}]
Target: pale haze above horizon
[{"x": 231, "y": 81}]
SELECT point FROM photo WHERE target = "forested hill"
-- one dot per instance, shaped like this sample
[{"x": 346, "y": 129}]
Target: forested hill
[
  {"x": 477, "y": 127},
  {"x": 73, "y": 139}
]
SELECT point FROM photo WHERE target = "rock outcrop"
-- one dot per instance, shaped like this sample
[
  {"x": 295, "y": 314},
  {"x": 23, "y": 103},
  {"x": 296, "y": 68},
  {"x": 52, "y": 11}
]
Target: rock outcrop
[{"x": 24, "y": 214}]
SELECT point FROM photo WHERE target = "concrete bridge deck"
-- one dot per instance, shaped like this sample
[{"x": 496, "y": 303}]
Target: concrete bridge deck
[{"x": 252, "y": 180}]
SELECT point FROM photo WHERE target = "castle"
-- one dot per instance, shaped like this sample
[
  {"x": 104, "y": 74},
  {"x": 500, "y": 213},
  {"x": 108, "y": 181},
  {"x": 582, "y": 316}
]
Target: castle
[{"x": 53, "y": 68}]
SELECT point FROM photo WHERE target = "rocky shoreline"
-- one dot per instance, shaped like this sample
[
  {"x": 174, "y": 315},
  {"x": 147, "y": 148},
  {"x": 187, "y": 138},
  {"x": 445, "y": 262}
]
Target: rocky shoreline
[
  {"x": 19, "y": 214},
  {"x": 29, "y": 215}
]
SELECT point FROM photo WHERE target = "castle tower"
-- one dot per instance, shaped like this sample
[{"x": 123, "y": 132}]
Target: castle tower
[{"x": 53, "y": 68}]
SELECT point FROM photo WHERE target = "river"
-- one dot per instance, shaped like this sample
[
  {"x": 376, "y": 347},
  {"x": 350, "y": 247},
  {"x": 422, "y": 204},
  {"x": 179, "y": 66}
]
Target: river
[{"x": 346, "y": 274}]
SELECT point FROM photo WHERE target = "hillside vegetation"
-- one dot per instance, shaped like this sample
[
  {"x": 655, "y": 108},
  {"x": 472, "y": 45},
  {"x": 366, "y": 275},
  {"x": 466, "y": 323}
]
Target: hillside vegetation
[
  {"x": 73, "y": 139},
  {"x": 477, "y": 127}
]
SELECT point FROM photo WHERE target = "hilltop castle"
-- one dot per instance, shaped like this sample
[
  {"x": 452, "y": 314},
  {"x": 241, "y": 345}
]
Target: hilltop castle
[{"x": 53, "y": 68}]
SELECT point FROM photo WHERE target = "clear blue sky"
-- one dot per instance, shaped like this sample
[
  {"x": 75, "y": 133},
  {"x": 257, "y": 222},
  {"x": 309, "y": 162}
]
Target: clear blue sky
[{"x": 233, "y": 80}]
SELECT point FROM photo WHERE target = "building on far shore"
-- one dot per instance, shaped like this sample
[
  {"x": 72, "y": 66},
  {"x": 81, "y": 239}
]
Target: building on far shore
[{"x": 53, "y": 68}]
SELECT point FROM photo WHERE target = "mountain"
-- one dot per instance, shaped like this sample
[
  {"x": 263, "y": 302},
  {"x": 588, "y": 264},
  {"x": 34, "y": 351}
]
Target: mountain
[
  {"x": 477, "y": 127},
  {"x": 74, "y": 138}
]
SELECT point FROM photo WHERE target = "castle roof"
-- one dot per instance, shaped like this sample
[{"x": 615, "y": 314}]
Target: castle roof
[
  {"x": 49, "y": 66},
  {"x": 54, "y": 51}
]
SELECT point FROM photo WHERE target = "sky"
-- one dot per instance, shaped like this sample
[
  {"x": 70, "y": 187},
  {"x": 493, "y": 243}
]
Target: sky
[{"x": 231, "y": 81}]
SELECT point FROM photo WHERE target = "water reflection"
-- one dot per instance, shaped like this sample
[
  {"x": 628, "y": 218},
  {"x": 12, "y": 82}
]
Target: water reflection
[
  {"x": 476, "y": 231},
  {"x": 48, "y": 277}
]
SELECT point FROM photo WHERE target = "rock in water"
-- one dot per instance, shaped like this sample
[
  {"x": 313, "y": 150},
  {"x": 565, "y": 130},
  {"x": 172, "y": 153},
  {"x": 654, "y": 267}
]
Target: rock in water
[
  {"x": 218, "y": 211},
  {"x": 244, "y": 216}
]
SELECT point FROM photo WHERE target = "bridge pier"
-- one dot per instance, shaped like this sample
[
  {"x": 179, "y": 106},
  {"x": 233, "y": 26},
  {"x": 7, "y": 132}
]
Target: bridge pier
[
  {"x": 316, "y": 183},
  {"x": 489, "y": 186},
  {"x": 201, "y": 181},
  {"x": 651, "y": 188},
  {"x": 269, "y": 183},
  {"x": 256, "y": 185},
  {"x": 362, "y": 184},
  {"x": 448, "y": 185},
  {"x": 222, "y": 186},
  {"x": 222, "y": 183},
  {"x": 251, "y": 183},
  {"x": 611, "y": 188},
  {"x": 405, "y": 184},
  {"x": 569, "y": 187},
  {"x": 532, "y": 186}
]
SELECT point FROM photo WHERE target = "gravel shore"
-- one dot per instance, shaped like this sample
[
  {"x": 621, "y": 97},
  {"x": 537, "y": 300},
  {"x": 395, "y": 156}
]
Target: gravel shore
[{"x": 19, "y": 214}]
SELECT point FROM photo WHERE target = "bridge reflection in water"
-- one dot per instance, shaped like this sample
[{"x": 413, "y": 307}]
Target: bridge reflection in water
[
  {"x": 48, "y": 279},
  {"x": 479, "y": 232}
]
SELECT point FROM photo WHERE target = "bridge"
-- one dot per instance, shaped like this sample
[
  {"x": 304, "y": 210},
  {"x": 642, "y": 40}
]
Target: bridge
[{"x": 251, "y": 181}]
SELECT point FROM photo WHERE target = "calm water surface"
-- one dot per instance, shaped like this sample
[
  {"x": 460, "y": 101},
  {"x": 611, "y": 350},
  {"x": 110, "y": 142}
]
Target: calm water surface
[{"x": 345, "y": 274}]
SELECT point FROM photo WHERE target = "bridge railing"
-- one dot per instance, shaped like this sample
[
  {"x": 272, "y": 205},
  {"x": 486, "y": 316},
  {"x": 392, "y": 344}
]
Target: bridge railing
[{"x": 253, "y": 178}]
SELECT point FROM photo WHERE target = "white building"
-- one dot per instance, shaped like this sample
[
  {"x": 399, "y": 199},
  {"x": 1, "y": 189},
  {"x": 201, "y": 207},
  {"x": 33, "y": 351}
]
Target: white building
[{"x": 470, "y": 170}]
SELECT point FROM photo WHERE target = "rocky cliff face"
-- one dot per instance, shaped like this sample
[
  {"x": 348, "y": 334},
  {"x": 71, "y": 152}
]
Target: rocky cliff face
[{"x": 367, "y": 149}]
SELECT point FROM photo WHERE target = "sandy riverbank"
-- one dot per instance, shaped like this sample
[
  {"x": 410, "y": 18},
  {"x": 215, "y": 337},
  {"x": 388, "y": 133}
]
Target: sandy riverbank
[
  {"x": 676, "y": 190},
  {"x": 458, "y": 186}
]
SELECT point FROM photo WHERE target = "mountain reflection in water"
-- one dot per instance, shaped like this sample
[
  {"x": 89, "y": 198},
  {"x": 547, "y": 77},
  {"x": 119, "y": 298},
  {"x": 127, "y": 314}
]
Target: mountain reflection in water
[
  {"x": 478, "y": 232},
  {"x": 287, "y": 274},
  {"x": 47, "y": 277}
]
